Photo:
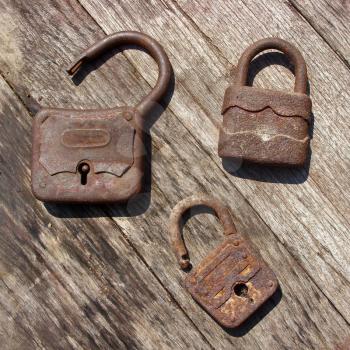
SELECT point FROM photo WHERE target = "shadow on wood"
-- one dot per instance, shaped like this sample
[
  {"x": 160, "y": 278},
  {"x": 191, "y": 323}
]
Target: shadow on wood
[
  {"x": 263, "y": 173},
  {"x": 261, "y": 312},
  {"x": 257, "y": 316},
  {"x": 139, "y": 203}
]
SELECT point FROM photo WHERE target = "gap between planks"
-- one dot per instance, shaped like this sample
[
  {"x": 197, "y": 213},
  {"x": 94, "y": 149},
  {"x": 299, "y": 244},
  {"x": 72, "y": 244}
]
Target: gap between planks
[
  {"x": 210, "y": 155},
  {"x": 216, "y": 49},
  {"x": 172, "y": 298},
  {"x": 114, "y": 223},
  {"x": 306, "y": 19}
]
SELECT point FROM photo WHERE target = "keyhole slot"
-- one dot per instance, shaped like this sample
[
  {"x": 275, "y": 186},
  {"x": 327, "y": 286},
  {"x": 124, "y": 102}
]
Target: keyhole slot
[
  {"x": 241, "y": 290},
  {"x": 83, "y": 169}
]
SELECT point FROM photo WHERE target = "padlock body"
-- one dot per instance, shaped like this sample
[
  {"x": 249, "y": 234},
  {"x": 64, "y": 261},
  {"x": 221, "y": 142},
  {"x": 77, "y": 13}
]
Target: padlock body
[
  {"x": 232, "y": 282},
  {"x": 265, "y": 126},
  {"x": 108, "y": 142}
]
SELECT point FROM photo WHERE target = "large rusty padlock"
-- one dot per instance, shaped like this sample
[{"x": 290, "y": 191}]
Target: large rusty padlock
[
  {"x": 266, "y": 126},
  {"x": 233, "y": 281},
  {"x": 94, "y": 156}
]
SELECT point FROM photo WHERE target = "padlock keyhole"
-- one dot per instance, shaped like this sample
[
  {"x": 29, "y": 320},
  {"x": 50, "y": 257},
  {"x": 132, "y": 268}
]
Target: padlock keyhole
[
  {"x": 83, "y": 169},
  {"x": 241, "y": 290}
]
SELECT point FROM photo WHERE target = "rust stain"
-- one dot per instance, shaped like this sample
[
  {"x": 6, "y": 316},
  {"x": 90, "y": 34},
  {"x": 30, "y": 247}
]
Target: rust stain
[
  {"x": 95, "y": 156},
  {"x": 344, "y": 345},
  {"x": 266, "y": 126},
  {"x": 233, "y": 281}
]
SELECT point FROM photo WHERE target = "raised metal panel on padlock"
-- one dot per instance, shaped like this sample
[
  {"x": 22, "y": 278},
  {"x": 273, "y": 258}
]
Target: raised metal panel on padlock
[
  {"x": 95, "y": 156},
  {"x": 266, "y": 126},
  {"x": 233, "y": 281}
]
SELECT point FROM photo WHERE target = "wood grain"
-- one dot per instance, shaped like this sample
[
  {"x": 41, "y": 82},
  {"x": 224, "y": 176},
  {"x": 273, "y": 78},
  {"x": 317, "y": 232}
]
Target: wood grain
[
  {"x": 74, "y": 283},
  {"x": 331, "y": 19},
  {"x": 184, "y": 161},
  {"x": 315, "y": 206}
]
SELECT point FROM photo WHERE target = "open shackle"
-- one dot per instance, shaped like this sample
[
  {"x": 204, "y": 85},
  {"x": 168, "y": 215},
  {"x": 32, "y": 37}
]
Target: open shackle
[
  {"x": 152, "y": 47},
  {"x": 177, "y": 242}
]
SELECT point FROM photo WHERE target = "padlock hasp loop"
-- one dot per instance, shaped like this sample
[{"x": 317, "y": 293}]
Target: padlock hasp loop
[
  {"x": 176, "y": 238},
  {"x": 293, "y": 54},
  {"x": 144, "y": 41}
]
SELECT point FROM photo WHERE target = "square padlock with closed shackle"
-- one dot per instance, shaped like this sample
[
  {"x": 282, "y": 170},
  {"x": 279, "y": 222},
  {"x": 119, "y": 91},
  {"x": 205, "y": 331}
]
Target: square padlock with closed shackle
[
  {"x": 266, "y": 126},
  {"x": 233, "y": 280}
]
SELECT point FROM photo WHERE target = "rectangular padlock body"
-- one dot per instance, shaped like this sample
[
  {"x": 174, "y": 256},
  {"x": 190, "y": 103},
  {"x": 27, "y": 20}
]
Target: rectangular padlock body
[
  {"x": 232, "y": 282},
  {"x": 265, "y": 126},
  {"x": 109, "y": 141}
]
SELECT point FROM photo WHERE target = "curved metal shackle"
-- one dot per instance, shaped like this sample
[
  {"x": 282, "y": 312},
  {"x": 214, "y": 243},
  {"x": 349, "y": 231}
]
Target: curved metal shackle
[
  {"x": 288, "y": 49},
  {"x": 144, "y": 41},
  {"x": 176, "y": 238}
]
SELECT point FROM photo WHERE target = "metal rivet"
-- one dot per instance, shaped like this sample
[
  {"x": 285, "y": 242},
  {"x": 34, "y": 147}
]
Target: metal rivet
[{"x": 128, "y": 115}]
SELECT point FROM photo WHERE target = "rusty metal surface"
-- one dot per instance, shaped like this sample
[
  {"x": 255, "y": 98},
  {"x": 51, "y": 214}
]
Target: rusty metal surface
[
  {"x": 266, "y": 126},
  {"x": 109, "y": 139},
  {"x": 94, "y": 156},
  {"x": 233, "y": 281}
]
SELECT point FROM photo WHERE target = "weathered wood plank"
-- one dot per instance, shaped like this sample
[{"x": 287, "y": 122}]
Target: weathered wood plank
[
  {"x": 180, "y": 166},
  {"x": 72, "y": 283},
  {"x": 311, "y": 218},
  {"x": 44, "y": 40},
  {"x": 331, "y": 19},
  {"x": 326, "y": 155},
  {"x": 199, "y": 80}
]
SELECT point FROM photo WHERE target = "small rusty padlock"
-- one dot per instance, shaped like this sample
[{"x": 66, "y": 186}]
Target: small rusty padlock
[
  {"x": 233, "y": 281},
  {"x": 266, "y": 126},
  {"x": 94, "y": 156}
]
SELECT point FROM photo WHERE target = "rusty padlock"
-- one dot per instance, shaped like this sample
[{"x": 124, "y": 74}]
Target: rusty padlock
[
  {"x": 233, "y": 281},
  {"x": 266, "y": 126},
  {"x": 95, "y": 156}
]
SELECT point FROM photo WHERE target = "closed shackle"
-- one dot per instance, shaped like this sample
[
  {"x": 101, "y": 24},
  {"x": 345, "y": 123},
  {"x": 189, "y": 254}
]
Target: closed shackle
[
  {"x": 144, "y": 41},
  {"x": 288, "y": 49},
  {"x": 177, "y": 242}
]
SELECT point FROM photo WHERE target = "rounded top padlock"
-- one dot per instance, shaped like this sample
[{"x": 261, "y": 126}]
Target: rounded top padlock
[
  {"x": 288, "y": 49},
  {"x": 151, "y": 46},
  {"x": 266, "y": 126},
  {"x": 176, "y": 238}
]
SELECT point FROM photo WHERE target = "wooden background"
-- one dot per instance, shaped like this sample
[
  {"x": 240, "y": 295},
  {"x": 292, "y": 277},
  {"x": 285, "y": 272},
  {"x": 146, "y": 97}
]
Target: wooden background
[{"x": 103, "y": 277}]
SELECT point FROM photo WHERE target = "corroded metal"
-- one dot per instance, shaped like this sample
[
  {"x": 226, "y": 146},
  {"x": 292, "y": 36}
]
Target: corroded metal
[
  {"x": 233, "y": 281},
  {"x": 266, "y": 126},
  {"x": 95, "y": 156}
]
